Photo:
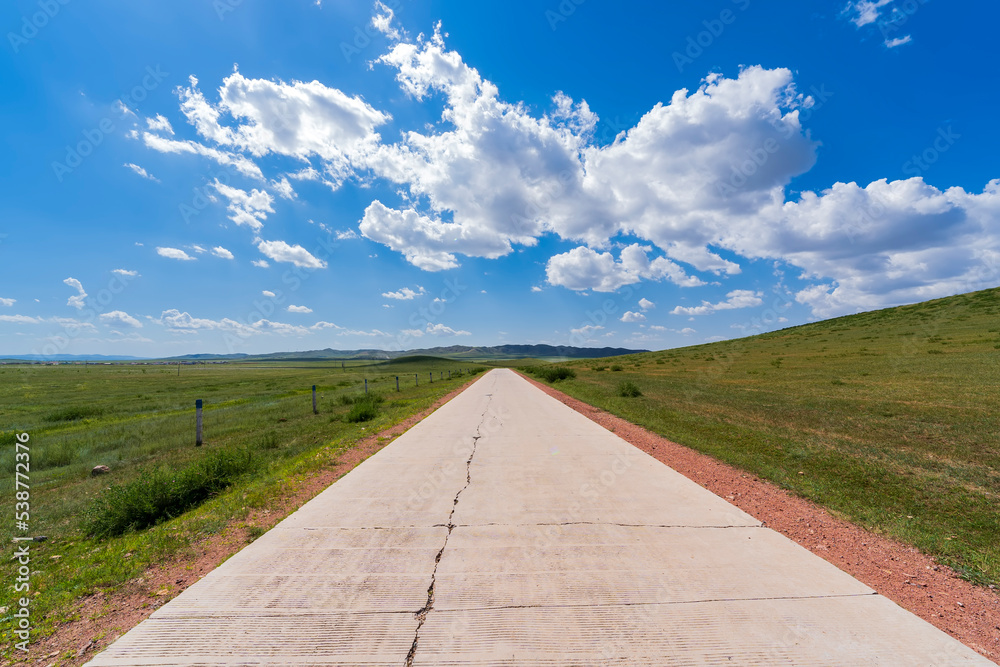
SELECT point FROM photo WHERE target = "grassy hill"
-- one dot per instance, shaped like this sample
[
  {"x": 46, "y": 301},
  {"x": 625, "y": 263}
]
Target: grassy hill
[{"x": 889, "y": 418}]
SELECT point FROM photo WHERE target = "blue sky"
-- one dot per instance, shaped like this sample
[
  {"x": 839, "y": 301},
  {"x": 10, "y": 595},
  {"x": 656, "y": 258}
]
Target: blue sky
[{"x": 249, "y": 176}]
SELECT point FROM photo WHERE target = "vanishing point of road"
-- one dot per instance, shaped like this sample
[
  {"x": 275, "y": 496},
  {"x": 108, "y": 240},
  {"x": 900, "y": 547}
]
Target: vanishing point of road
[{"x": 507, "y": 529}]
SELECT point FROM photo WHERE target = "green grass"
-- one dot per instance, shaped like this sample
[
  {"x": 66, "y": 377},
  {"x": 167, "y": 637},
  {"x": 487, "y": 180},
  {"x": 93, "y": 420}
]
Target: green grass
[
  {"x": 163, "y": 494},
  {"x": 550, "y": 373},
  {"x": 892, "y": 417}
]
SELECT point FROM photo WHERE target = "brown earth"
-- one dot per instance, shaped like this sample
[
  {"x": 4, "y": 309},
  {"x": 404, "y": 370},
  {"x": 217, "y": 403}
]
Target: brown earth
[{"x": 911, "y": 579}]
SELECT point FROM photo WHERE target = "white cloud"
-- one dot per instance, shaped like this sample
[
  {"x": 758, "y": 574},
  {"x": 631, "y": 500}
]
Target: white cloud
[
  {"x": 238, "y": 162},
  {"x": 405, "y": 294},
  {"x": 219, "y": 251},
  {"x": 299, "y": 309},
  {"x": 280, "y": 251},
  {"x": 536, "y": 288},
  {"x": 20, "y": 319},
  {"x": 415, "y": 333},
  {"x": 583, "y": 268},
  {"x": 142, "y": 172},
  {"x": 646, "y": 304},
  {"x": 159, "y": 124},
  {"x": 7, "y": 302},
  {"x": 283, "y": 188},
  {"x": 586, "y": 331},
  {"x": 197, "y": 248},
  {"x": 246, "y": 208},
  {"x": 260, "y": 263},
  {"x": 740, "y": 298},
  {"x": 79, "y": 299},
  {"x": 630, "y": 317},
  {"x": 864, "y": 12},
  {"x": 687, "y": 331},
  {"x": 268, "y": 293},
  {"x": 125, "y": 272},
  {"x": 898, "y": 41},
  {"x": 174, "y": 253},
  {"x": 120, "y": 317},
  {"x": 346, "y": 234},
  {"x": 442, "y": 330},
  {"x": 297, "y": 119}
]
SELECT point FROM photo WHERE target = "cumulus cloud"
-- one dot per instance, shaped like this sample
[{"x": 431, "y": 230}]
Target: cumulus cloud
[
  {"x": 646, "y": 304},
  {"x": 346, "y": 234},
  {"x": 268, "y": 293},
  {"x": 631, "y": 317},
  {"x": 219, "y": 251},
  {"x": 142, "y": 172},
  {"x": 697, "y": 185},
  {"x": 740, "y": 298},
  {"x": 7, "y": 302},
  {"x": 125, "y": 272},
  {"x": 583, "y": 268},
  {"x": 120, "y": 317},
  {"x": 174, "y": 253},
  {"x": 280, "y": 251},
  {"x": 442, "y": 330},
  {"x": 297, "y": 119},
  {"x": 246, "y": 208},
  {"x": 78, "y": 300},
  {"x": 299, "y": 309},
  {"x": 405, "y": 294},
  {"x": 260, "y": 263}
]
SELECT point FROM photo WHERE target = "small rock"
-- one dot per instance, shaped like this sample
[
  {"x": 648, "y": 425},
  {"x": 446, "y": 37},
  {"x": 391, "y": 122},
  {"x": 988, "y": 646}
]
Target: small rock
[
  {"x": 960, "y": 604},
  {"x": 99, "y": 470}
]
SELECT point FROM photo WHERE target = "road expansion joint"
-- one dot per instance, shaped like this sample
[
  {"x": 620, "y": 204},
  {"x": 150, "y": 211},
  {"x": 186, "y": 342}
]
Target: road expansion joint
[
  {"x": 613, "y": 605},
  {"x": 421, "y": 614}
]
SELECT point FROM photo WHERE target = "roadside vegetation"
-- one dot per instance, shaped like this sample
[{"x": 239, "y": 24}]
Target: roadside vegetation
[
  {"x": 890, "y": 418},
  {"x": 163, "y": 494}
]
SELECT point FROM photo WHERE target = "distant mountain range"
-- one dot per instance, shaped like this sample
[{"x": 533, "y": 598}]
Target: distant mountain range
[
  {"x": 451, "y": 352},
  {"x": 463, "y": 352}
]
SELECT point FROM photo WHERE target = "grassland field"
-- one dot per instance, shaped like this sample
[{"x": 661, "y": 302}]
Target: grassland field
[
  {"x": 890, "y": 418},
  {"x": 140, "y": 421}
]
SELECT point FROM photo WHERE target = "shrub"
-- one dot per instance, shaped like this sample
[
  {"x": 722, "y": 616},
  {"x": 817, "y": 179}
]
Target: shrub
[
  {"x": 160, "y": 494},
  {"x": 616, "y": 368},
  {"x": 556, "y": 373},
  {"x": 364, "y": 408},
  {"x": 629, "y": 389},
  {"x": 74, "y": 413}
]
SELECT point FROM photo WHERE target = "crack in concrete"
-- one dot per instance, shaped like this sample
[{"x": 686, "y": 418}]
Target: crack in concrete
[{"x": 421, "y": 614}]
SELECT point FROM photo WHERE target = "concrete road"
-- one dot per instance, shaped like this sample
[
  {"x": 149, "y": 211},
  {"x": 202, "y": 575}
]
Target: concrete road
[{"x": 507, "y": 529}]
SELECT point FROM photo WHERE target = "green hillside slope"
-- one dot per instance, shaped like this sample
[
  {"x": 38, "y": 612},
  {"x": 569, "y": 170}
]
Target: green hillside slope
[{"x": 889, "y": 418}]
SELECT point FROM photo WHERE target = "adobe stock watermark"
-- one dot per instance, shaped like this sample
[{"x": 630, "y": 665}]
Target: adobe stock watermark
[
  {"x": 34, "y": 23},
  {"x": 363, "y": 34},
  {"x": 698, "y": 43},
  {"x": 95, "y": 136},
  {"x": 562, "y": 12},
  {"x": 920, "y": 163},
  {"x": 898, "y": 16},
  {"x": 740, "y": 174}
]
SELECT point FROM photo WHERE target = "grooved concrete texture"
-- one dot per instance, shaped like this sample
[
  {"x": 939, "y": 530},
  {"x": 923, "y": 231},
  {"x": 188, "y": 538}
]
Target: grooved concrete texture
[{"x": 507, "y": 529}]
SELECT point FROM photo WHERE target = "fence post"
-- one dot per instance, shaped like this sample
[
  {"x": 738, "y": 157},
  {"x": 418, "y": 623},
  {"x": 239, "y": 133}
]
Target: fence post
[
  {"x": 366, "y": 385},
  {"x": 416, "y": 380},
  {"x": 315, "y": 411},
  {"x": 397, "y": 383},
  {"x": 197, "y": 422},
  {"x": 431, "y": 374}
]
